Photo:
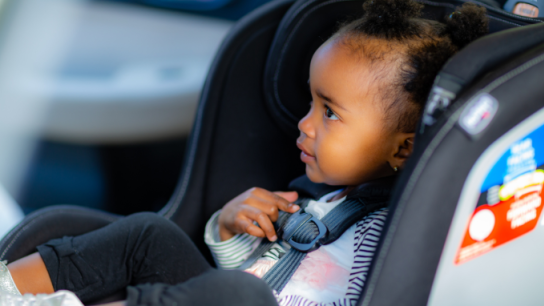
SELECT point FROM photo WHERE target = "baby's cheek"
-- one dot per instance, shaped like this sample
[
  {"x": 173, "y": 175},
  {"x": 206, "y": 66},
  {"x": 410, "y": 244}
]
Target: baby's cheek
[
  {"x": 332, "y": 161},
  {"x": 366, "y": 163},
  {"x": 344, "y": 166}
]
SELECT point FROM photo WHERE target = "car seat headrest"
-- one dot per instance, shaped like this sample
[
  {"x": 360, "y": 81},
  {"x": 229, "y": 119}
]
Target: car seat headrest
[
  {"x": 305, "y": 27},
  {"x": 474, "y": 61}
]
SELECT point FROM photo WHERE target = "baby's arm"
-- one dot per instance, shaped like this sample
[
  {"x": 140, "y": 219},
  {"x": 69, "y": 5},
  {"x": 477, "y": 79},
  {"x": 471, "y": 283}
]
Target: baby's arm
[{"x": 232, "y": 253}]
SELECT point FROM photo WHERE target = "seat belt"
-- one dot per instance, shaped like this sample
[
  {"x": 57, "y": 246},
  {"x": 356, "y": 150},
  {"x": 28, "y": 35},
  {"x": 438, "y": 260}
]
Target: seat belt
[
  {"x": 305, "y": 233},
  {"x": 266, "y": 244}
]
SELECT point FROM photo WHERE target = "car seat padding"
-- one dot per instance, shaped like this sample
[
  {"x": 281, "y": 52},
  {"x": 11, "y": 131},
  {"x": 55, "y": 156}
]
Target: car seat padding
[{"x": 234, "y": 145}]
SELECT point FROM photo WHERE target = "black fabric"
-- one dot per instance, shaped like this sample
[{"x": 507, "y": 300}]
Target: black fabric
[
  {"x": 142, "y": 248},
  {"x": 380, "y": 188},
  {"x": 428, "y": 192},
  {"x": 48, "y": 223},
  {"x": 307, "y": 188},
  {"x": 215, "y": 287},
  {"x": 377, "y": 191},
  {"x": 489, "y": 51}
]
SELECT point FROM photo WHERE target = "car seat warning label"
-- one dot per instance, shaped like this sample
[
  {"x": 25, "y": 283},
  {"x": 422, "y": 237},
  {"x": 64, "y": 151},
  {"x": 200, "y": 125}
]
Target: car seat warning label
[{"x": 510, "y": 202}]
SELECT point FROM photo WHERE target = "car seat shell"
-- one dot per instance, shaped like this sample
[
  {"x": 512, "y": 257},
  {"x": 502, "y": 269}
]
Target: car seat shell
[{"x": 412, "y": 245}]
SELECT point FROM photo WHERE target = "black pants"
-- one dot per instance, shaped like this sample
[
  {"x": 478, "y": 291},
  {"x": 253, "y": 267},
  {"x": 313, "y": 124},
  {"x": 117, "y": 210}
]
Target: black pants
[{"x": 154, "y": 258}]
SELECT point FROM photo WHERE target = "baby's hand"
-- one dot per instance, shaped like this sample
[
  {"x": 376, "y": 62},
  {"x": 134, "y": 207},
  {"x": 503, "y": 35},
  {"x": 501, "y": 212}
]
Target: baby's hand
[{"x": 256, "y": 204}]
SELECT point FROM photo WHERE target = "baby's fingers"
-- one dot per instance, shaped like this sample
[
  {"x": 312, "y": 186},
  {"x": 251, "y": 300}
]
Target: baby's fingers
[
  {"x": 284, "y": 200},
  {"x": 254, "y": 230},
  {"x": 245, "y": 225},
  {"x": 263, "y": 220}
]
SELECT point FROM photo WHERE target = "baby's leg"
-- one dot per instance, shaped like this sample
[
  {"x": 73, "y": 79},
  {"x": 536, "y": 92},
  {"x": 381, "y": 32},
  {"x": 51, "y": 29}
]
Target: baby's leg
[
  {"x": 142, "y": 248},
  {"x": 215, "y": 287},
  {"x": 30, "y": 275}
]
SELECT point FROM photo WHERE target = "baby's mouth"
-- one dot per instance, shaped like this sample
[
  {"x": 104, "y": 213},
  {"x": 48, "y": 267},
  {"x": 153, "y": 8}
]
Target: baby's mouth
[
  {"x": 304, "y": 155},
  {"x": 307, "y": 154},
  {"x": 306, "y": 158}
]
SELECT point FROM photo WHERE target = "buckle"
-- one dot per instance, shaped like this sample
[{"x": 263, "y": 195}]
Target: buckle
[{"x": 295, "y": 222}]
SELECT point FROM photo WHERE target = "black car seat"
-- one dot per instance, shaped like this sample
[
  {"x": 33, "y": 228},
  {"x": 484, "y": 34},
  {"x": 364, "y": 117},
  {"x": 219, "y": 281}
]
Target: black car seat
[{"x": 245, "y": 130}]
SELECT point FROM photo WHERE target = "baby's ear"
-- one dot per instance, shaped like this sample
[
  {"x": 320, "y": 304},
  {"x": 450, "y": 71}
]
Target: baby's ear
[
  {"x": 406, "y": 146},
  {"x": 403, "y": 149}
]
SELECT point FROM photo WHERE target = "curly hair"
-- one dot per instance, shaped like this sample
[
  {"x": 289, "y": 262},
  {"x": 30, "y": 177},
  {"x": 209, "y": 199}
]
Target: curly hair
[{"x": 422, "y": 47}]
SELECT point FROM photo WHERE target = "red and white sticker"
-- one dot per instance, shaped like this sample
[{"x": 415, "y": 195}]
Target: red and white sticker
[{"x": 516, "y": 214}]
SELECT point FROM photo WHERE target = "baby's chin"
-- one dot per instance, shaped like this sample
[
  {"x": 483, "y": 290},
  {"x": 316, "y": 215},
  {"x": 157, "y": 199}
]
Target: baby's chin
[
  {"x": 313, "y": 175},
  {"x": 319, "y": 177}
]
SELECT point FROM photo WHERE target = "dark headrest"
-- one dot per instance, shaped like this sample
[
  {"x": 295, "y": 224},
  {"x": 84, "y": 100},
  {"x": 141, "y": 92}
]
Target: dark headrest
[
  {"x": 303, "y": 29},
  {"x": 474, "y": 61},
  {"x": 308, "y": 24}
]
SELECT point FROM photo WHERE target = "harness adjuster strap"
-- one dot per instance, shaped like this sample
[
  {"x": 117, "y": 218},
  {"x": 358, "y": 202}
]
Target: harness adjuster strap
[{"x": 295, "y": 223}]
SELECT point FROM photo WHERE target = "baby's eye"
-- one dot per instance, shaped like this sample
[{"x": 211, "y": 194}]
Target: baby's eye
[{"x": 330, "y": 114}]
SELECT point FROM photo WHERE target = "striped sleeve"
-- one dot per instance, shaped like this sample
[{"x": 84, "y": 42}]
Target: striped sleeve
[
  {"x": 228, "y": 254},
  {"x": 367, "y": 234}
]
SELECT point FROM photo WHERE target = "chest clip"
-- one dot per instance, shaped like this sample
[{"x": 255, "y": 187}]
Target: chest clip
[{"x": 295, "y": 225}]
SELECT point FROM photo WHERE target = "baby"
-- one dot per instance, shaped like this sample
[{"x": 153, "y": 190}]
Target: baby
[{"x": 369, "y": 83}]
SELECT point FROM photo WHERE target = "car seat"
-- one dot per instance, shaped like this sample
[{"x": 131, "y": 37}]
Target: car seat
[{"x": 245, "y": 131}]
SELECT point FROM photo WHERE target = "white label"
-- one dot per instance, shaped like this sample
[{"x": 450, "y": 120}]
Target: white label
[{"x": 478, "y": 113}]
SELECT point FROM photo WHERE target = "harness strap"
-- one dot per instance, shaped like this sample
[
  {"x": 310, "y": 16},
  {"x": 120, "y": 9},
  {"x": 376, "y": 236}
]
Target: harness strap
[
  {"x": 278, "y": 276},
  {"x": 309, "y": 234},
  {"x": 266, "y": 244}
]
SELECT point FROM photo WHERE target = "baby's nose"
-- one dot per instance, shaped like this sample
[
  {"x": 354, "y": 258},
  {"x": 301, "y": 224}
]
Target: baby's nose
[{"x": 305, "y": 125}]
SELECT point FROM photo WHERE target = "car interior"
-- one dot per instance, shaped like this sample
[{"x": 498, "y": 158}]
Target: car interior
[{"x": 485, "y": 103}]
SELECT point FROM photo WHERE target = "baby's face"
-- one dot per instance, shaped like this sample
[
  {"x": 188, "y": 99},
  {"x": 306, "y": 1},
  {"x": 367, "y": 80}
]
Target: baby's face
[{"x": 344, "y": 138}]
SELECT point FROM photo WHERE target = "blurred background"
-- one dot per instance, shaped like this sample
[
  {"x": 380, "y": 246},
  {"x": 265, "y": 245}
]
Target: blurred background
[{"x": 97, "y": 98}]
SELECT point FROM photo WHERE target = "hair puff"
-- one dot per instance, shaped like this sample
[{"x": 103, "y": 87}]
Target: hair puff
[
  {"x": 425, "y": 46},
  {"x": 390, "y": 19},
  {"x": 466, "y": 24}
]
